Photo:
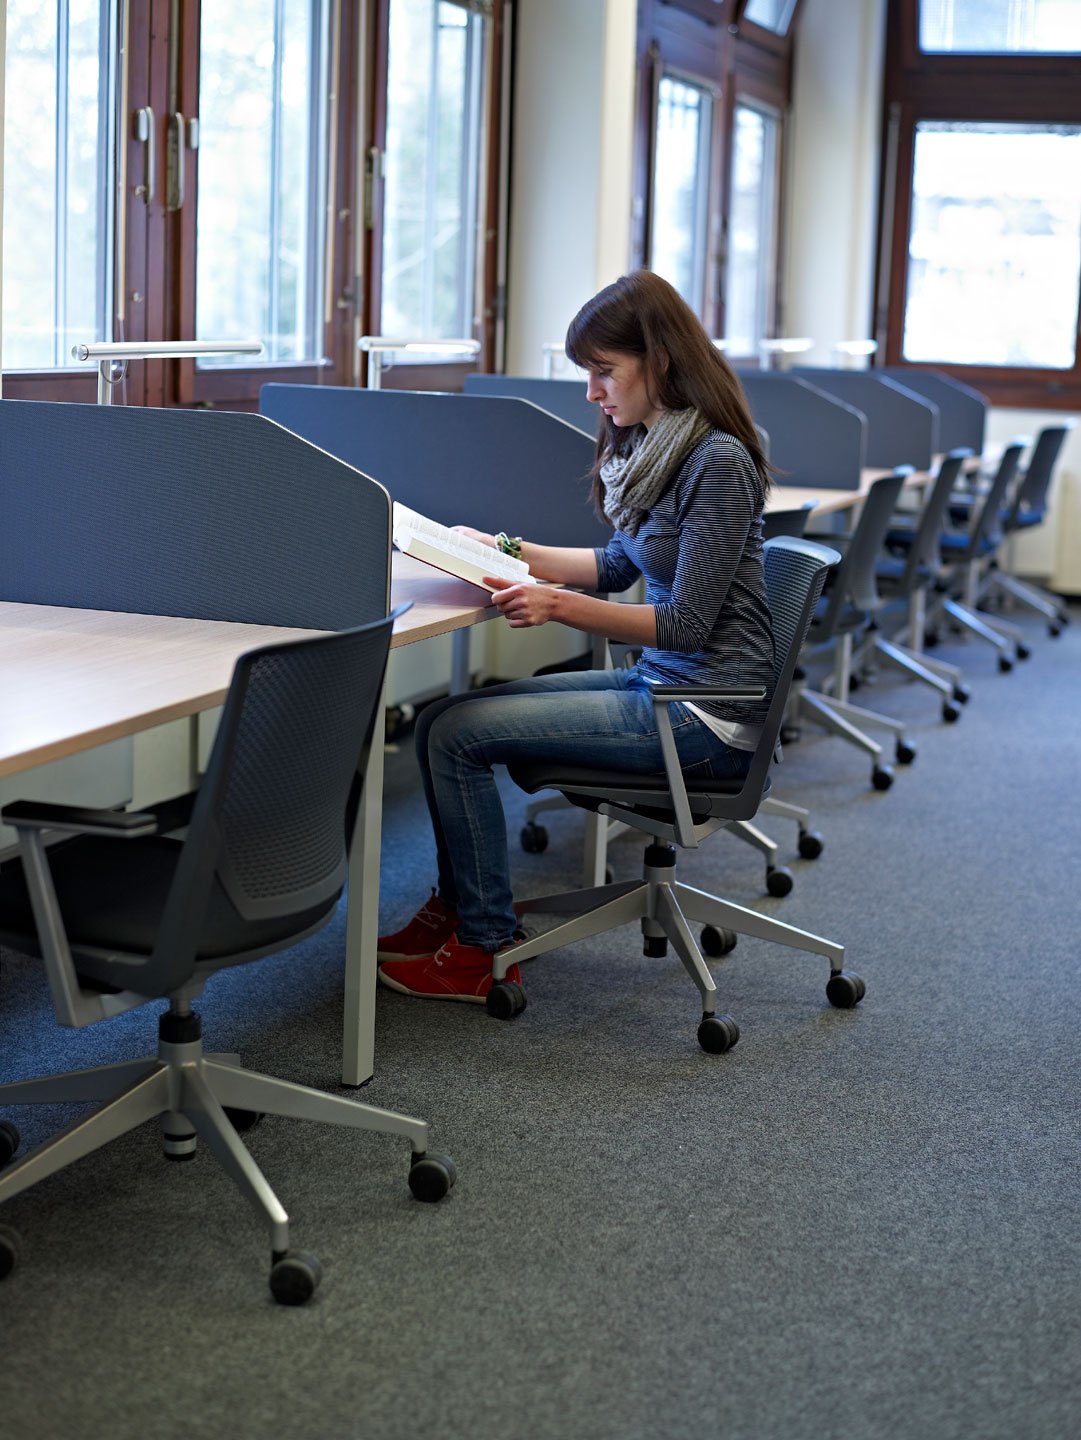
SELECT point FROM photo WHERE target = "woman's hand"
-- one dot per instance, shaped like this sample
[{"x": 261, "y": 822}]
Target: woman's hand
[
  {"x": 524, "y": 604},
  {"x": 476, "y": 535}
]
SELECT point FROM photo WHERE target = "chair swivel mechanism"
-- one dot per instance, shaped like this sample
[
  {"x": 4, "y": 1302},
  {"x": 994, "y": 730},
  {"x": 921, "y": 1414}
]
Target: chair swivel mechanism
[
  {"x": 123, "y": 914},
  {"x": 677, "y": 816}
]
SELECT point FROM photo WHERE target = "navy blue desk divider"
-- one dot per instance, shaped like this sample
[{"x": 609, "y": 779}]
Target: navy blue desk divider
[
  {"x": 962, "y": 411},
  {"x": 815, "y": 440},
  {"x": 902, "y": 427},
  {"x": 565, "y": 398},
  {"x": 207, "y": 515},
  {"x": 494, "y": 463}
]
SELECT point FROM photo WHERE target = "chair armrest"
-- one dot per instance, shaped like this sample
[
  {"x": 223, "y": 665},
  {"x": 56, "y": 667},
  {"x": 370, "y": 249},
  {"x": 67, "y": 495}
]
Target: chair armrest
[
  {"x": 38, "y": 815},
  {"x": 664, "y": 694}
]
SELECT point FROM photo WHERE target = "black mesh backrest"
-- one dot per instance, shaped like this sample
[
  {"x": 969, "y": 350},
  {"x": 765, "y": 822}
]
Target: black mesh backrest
[
  {"x": 1030, "y": 499},
  {"x": 786, "y": 522},
  {"x": 988, "y": 522},
  {"x": 923, "y": 552},
  {"x": 296, "y": 726},
  {"x": 853, "y": 582},
  {"x": 795, "y": 572}
]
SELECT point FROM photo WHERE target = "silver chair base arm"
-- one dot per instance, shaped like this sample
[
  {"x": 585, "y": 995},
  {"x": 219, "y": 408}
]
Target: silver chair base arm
[{"x": 1026, "y": 594}]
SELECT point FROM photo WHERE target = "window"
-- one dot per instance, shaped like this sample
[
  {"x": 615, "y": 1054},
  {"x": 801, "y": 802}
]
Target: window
[
  {"x": 432, "y": 166},
  {"x": 773, "y": 15},
  {"x": 58, "y": 175},
  {"x": 752, "y": 229},
  {"x": 261, "y": 240},
  {"x": 195, "y": 170},
  {"x": 708, "y": 158},
  {"x": 681, "y": 187},
  {"x": 994, "y": 258},
  {"x": 980, "y": 234},
  {"x": 1000, "y": 26}
]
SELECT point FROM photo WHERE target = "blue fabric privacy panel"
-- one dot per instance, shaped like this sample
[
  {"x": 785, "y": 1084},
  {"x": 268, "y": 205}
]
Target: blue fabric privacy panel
[
  {"x": 565, "y": 398},
  {"x": 195, "y": 513},
  {"x": 962, "y": 411},
  {"x": 902, "y": 427},
  {"x": 814, "y": 439},
  {"x": 496, "y": 464}
]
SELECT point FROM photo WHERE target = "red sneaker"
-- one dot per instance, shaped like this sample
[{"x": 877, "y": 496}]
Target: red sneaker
[
  {"x": 430, "y": 928},
  {"x": 455, "y": 972}
]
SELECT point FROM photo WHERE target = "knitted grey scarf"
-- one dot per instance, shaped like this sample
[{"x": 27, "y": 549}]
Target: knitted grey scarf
[{"x": 633, "y": 483}]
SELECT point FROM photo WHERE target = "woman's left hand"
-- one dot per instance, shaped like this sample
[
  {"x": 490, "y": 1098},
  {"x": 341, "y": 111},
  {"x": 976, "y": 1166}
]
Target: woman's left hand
[{"x": 524, "y": 604}]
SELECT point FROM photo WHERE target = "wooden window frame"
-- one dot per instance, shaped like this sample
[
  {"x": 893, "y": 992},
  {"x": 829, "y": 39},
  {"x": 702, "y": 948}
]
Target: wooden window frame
[{"x": 1036, "y": 89}]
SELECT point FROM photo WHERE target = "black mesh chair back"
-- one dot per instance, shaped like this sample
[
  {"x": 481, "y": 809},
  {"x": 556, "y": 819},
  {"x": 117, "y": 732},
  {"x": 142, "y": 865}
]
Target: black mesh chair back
[
  {"x": 786, "y": 522},
  {"x": 270, "y": 820},
  {"x": 1030, "y": 498},
  {"x": 852, "y": 595},
  {"x": 922, "y": 553},
  {"x": 986, "y": 531}
]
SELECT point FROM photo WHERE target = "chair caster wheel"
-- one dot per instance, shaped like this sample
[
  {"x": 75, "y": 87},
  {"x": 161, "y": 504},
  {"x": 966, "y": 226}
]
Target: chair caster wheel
[
  {"x": 431, "y": 1177},
  {"x": 950, "y": 712},
  {"x": 845, "y": 990},
  {"x": 9, "y": 1142},
  {"x": 10, "y": 1250},
  {"x": 778, "y": 880},
  {"x": 505, "y": 1000},
  {"x": 930, "y": 639},
  {"x": 1005, "y": 664},
  {"x": 1023, "y": 652},
  {"x": 854, "y": 682},
  {"x": 534, "y": 838},
  {"x": 242, "y": 1120},
  {"x": 654, "y": 947},
  {"x": 717, "y": 942},
  {"x": 810, "y": 844},
  {"x": 962, "y": 694},
  {"x": 717, "y": 1033},
  {"x": 294, "y": 1277},
  {"x": 790, "y": 734},
  {"x": 882, "y": 777},
  {"x": 1054, "y": 631},
  {"x": 904, "y": 753}
]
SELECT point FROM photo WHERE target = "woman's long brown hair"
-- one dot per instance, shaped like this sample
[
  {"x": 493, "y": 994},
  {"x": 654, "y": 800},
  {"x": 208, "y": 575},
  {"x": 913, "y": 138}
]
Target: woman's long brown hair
[{"x": 641, "y": 314}]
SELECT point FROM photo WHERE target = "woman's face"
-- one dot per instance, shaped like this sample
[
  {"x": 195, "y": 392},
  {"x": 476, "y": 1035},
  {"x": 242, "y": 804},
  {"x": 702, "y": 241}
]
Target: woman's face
[{"x": 617, "y": 383}]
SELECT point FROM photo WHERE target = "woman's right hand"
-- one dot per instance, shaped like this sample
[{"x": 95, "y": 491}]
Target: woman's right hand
[{"x": 476, "y": 535}]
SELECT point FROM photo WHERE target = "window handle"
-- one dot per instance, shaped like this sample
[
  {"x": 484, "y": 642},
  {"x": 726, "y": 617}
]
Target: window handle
[
  {"x": 144, "y": 132},
  {"x": 174, "y": 162}
]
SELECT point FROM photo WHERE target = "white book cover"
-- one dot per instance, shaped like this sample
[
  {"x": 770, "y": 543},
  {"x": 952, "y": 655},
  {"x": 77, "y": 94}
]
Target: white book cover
[{"x": 453, "y": 552}]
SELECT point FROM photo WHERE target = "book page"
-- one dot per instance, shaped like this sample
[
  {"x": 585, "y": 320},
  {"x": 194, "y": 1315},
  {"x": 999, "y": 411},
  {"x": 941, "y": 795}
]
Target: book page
[{"x": 450, "y": 550}]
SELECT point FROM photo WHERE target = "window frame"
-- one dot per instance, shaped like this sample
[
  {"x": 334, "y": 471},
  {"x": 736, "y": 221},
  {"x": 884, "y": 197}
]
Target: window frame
[{"x": 1037, "y": 89}]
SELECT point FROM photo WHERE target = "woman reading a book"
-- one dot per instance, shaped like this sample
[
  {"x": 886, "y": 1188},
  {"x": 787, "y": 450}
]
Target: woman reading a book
[{"x": 681, "y": 477}]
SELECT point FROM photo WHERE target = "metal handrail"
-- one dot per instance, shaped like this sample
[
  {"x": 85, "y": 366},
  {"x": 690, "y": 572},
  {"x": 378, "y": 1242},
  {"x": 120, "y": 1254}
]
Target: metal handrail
[{"x": 113, "y": 356}]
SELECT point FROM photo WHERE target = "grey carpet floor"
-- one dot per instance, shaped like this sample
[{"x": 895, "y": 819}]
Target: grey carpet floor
[{"x": 855, "y": 1224}]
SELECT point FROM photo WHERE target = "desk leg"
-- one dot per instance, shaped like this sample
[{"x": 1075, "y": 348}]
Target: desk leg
[
  {"x": 459, "y": 668},
  {"x": 595, "y": 847},
  {"x": 362, "y": 920}
]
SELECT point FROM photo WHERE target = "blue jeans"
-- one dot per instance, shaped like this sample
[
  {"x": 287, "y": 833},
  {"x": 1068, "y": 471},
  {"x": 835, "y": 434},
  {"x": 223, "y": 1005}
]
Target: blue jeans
[{"x": 602, "y": 718}]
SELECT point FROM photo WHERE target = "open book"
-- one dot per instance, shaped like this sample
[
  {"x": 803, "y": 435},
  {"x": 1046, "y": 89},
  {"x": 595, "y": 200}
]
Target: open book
[{"x": 454, "y": 552}]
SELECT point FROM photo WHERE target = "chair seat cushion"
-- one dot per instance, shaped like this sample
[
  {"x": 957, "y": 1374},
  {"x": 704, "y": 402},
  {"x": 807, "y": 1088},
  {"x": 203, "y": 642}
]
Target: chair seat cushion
[
  {"x": 706, "y": 797},
  {"x": 112, "y": 894}
]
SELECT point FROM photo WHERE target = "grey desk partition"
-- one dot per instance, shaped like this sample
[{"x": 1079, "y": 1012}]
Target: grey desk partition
[
  {"x": 902, "y": 427},
  {"x": 962, "y": 411},
  {"x": 815, "y": 439},
  {"x": 565, "y": 398},
  {"x": 207, "y": 515},
  {"x": 495, "y": 463}
]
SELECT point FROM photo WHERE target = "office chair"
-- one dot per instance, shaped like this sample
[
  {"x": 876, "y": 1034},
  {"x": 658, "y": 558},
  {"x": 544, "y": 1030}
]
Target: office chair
[
  {"x": 673, "y": 815},
  {"x": 123, "y": 914},
  {"x": 1029, "y": 509},
  {"x": 967, "y": 551},
  {"x": 846, "y": 611},
  {"x": 907, "y": 578}
]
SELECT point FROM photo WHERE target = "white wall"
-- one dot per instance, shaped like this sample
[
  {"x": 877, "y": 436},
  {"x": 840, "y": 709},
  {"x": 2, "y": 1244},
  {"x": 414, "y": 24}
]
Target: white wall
[
  {"x": 571, "y": 165},
  {"x": 832, "y": 178}
]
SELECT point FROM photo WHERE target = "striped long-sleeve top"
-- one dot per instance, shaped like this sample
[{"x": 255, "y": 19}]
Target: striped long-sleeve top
[{"x": 700, "y": 550}]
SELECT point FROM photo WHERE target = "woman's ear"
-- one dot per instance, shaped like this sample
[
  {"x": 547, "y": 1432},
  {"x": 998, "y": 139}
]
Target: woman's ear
[{"x": 663, "y": 359}]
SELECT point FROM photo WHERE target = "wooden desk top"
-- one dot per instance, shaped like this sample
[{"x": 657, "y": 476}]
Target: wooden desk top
[
  {"x": 441, "y": 603},
  {"x": 73, "y": 679}
]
